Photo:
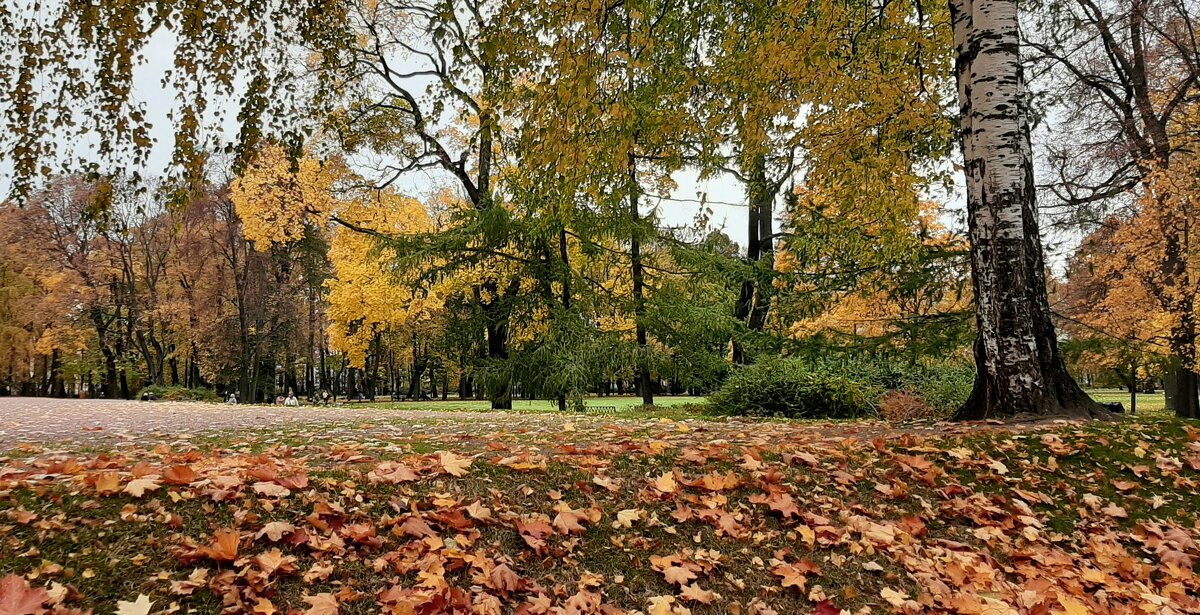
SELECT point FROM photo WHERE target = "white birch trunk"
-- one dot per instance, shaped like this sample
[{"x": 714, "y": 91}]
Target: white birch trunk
[{"x": 1020, "y": 370}]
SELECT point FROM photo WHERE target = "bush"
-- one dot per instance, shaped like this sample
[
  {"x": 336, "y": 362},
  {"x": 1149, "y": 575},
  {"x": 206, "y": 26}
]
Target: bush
[
  {"x": 944, "y": 386},
  {"x": 846, "y": 387},
  {"x": 904, "y": 406},
  {"x": 166, "y": 393},
  {"x": 787, "y": 388}
]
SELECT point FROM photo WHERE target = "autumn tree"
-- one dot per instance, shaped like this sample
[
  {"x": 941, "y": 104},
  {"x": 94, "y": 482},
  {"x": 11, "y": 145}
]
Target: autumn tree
[
  {"x": 884, "y": 287},
  {"x": 617, "y": 84},
  {"x": 1125, "y": 74},
  {"x": 1109, "y": 314}
]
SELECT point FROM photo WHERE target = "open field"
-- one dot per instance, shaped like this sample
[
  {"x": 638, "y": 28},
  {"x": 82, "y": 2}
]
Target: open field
[
  {"x": 622, "y": 404},
  {"x": 1152, "y": 404}
]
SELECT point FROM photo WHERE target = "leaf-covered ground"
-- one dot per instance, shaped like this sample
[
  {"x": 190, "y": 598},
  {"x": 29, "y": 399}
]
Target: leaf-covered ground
[{"x": 596, "y": 515}]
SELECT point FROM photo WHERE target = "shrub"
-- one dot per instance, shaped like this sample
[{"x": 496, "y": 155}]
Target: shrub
[
  {"x": 787, "y": 388},
  {"x": 827, "y": 388},
  {"x": 166, "y": 393},
  {"x": 944, "y": 386},
  {"x": 904, "y": 406}
]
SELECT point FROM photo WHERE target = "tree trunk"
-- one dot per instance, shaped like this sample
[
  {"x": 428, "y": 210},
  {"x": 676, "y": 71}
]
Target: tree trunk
[
  {"x": 1020, "y": 370},
  {"x": 753, "y": 301},
  {"x": 496, "y": 316},
  {"x": 1182, "y": 390},
  {"x": 639, "y": 281}
]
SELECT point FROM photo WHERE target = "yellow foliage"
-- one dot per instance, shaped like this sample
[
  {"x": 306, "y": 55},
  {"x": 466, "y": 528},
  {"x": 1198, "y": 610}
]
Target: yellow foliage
[
  {"x": 369, "y": 294},
  {"x": 275, "y": 201}
]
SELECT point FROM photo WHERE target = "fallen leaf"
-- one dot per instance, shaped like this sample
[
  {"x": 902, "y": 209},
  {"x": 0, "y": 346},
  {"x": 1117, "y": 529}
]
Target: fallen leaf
[
  {"x": 625, "y": 518},
  {"x": 453, "y": 464},
  {"x": 271, "y": 490},
  {"x": 224, "y": 546},
  {"x": 17, "y": 598},
  {"x": 322, "y": 604},
  {"x": 660, "y": 605},
  {"x": 679, "y": 575},
  {"x": 666, "y": 483},
  {"x": 140, "y": 606},
  {"x": 108, "y": 483},
  {"x": 893, "y": 597},
  {"x": 179, "y": 475},
  {"x": 275, "y": 530},
  {"x": 139, "y": 486},
  {"x": 695, "y": 593}
]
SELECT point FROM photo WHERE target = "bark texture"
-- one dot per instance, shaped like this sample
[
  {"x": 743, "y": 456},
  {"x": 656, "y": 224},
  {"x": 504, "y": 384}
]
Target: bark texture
[{"x": 1020, "y": 371}]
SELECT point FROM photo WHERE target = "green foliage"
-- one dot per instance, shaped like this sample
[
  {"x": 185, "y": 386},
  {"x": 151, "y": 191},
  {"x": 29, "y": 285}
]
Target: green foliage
[
  {"x": 789, "y": 388},
  {"x": 169, "y": 393},
  {"x": 944, "y": 385},
  {"x": 841, "y": 387}
]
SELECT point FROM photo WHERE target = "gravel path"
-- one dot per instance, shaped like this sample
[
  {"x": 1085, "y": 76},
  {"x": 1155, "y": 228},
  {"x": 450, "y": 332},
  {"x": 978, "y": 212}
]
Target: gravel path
[
  {"x": 67, "y": 424},
  {"x": 83, "y": 421}
]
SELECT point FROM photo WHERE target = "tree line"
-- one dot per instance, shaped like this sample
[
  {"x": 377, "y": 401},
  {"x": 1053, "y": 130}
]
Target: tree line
[{"x": 554, "y": 133}]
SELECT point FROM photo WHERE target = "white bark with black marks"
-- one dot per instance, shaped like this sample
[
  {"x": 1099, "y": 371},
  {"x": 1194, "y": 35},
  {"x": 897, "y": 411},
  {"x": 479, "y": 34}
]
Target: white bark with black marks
[{"x": 1020, "y": 369}]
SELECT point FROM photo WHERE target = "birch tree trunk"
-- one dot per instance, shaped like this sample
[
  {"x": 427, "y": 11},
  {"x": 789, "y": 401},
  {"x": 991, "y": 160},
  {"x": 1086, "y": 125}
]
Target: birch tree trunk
[{"x": 1020, "y": 370}]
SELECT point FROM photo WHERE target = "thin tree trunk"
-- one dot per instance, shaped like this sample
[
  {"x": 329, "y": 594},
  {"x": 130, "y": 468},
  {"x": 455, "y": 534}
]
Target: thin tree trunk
[
  {"x": 753, "y": 299},
  {"x": 639, "y": 281},
  {"x": 496, "y": 316},
  {"x": 1020, "y": 370}
]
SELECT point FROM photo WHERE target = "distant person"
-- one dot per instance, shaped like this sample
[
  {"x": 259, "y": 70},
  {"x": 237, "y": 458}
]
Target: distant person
[
  {"x": 233, "y": 400},
  {"x": 325, "y": 396},
  {"x": 291, "y": 400}
]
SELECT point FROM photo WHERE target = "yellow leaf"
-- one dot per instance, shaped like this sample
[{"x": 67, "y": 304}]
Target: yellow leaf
[
  {"x": 660, "y": 605},
  {"x": 139, "y": 486},
  {"x": 666, "y": 483},
  {"x": 108, "y": 483},
  {"x": 140, "y": 606},
  {"x": 453, "y": 464},
  {"x": 1072, "y": 606},
  {"x": 625, "y": 518}
]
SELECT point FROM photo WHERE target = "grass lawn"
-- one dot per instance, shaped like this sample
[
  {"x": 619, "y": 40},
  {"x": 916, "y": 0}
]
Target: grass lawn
[
  {"x": 625, "y": 405},
  {"x": 1150, "y": 404},
  {"x": 548, "y": 514}
]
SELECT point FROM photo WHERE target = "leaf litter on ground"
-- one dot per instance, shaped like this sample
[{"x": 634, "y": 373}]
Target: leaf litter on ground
[{"x": 613, "y": 516}]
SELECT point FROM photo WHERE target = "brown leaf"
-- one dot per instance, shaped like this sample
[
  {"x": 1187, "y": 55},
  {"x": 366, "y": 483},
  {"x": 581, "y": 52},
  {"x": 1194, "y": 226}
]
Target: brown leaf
[
  {"x": 679, "y": 575},
  {"x": 224, "y": 546},
  {"x": 503, "y": 579},
  {"x": 567, "y": 522},
  {"x": 179, "y": 475},
  {"x": 274, "y": 561},
  {"x": 322, "y": 604},
  {"x": 17, "y": 598},
  {"x": 393, "y": 473}
]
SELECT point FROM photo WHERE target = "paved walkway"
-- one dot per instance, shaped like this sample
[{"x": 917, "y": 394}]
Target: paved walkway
[{"x": 42, "y": 420}]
